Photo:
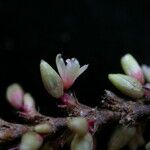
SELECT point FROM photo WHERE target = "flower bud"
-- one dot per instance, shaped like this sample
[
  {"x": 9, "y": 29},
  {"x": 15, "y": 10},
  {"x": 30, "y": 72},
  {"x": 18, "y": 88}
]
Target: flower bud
[
  {"x": 147, "y": 147},
  {"x": 31, "y": 141},
  {"x": 146, "y": 71},
  {"x": 82, "y": 142},
  {"x": 28, "y": 103},
  {"x": 132, "y": 68},
  {"x": 14, "y": 95},
  {"x": 42, "y": 128},
  {"x": 78, "y": 125},
  {"x": 51, "y": 80},
  {"x": 127, "y": 85}
]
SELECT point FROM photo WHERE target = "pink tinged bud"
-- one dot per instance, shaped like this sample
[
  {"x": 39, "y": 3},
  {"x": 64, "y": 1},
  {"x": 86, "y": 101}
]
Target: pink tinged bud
[
  {"x": 28, "y": 103},
  {"x": 146, "y": 71},
  {"x": 31, "y": 141},
  {"x": 78, "y": 125},
  {"x": 14, "y": 95},
  {"x": 70, "y": 71},
  {"x": 132, "y": 68},
  {"x": 51, "y": 80},
  {"x": 127, "y": 85},
  {"x": 82, "y": 142}
]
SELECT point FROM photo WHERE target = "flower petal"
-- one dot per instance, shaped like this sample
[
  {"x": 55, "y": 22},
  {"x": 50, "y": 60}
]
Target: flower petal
[
  {"x": 82, "y": 69},
  {"x": 60, "y": 65},
  {"x": 72, "y": 68}
]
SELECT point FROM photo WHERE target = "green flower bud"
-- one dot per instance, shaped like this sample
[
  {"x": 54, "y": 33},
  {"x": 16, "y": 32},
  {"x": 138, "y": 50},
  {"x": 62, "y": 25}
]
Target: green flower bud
[
  {"x": 127, "y": 85},
  {"x": 78, "y": 125},
  {"x": 146, "y": 71},
  {"x": 31, "y": 141},
  {"x": 132, "y": 68},
  {"x": 42, "y": 128},
  {"x": 51, "y": 80},
  {"x": 82, "y": 142}
]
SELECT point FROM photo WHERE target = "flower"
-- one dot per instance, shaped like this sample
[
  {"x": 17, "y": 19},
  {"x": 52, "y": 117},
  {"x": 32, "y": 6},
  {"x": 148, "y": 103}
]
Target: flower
[{"x": 70, "y": 71}]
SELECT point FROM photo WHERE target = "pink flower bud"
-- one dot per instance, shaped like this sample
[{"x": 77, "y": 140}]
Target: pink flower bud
[
  {"x": 132, "y": 68},
  {"x": 28, "y": 103},
  {"x": 14, "y": 95}
]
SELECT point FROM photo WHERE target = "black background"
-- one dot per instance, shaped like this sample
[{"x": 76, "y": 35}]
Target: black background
[{"x": 96, "y": 32}]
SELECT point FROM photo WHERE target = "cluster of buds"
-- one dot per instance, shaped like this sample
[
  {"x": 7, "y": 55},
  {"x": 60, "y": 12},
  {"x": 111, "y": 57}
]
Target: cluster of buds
[
  {"x": 33, "y": 140},
  {"x": 20, "y": 100},
  {"x": 132, "y": 82},
  {"x": 82, "y": 139}
]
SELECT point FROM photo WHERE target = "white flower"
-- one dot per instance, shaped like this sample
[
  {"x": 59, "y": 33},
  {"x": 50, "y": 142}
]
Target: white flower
[{"x": 70, "y": 71}]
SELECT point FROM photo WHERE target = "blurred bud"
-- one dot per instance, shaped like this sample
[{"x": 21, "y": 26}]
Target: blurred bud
[
  {"x": 28, "y": 103},
  {"x": 127, "y": 85},
  {"x": 132, "y": 68},
  {"x": 31, "y": 141},
  {"x": 42, "y": 128},
  {"x": 78, "y": 125},
  {"x": 146, "y": 71},
  {"x": 147, "y": 147},
  {"x": 51, "y": 80},
  {"x": 82, "y": 142},
  {"x": 121, "y": 137},
  {"x": 14, "y": 95}
]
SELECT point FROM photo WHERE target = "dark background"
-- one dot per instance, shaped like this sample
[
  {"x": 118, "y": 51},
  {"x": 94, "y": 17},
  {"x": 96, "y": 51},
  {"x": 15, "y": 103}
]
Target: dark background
[{"x": 97, "y": 32}]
